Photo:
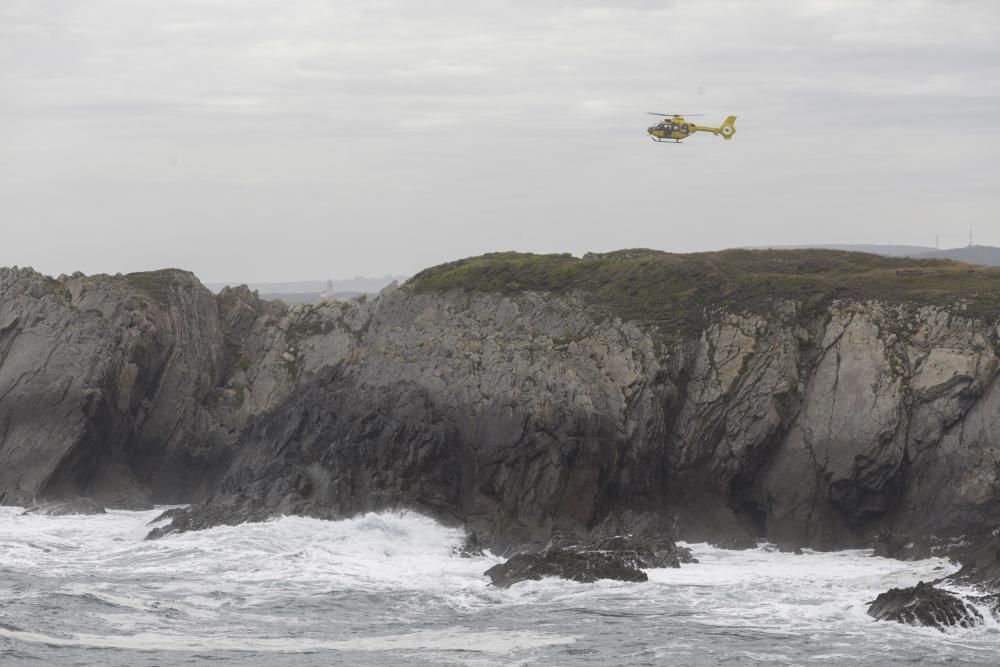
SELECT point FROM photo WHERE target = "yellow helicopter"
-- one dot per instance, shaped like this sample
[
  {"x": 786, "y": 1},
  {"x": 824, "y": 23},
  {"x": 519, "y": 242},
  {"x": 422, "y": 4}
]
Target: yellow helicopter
[{"x": 674, "y": 127}]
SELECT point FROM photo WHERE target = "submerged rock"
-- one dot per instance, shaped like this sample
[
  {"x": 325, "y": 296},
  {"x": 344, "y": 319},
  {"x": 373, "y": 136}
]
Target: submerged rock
[
  {"x": 67, "y": 507},
  {"x": 924, "y": 604}
]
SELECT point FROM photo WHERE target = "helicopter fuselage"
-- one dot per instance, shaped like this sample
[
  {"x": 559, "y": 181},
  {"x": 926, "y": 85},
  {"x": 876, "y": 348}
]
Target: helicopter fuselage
[
  {"x": 669, "y": 131},
  {"x": 677, "y": 128}
]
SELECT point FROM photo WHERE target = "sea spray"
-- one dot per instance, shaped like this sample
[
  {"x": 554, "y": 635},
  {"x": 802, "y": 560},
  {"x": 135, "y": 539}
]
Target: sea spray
[{"x": 389, "y": 588}]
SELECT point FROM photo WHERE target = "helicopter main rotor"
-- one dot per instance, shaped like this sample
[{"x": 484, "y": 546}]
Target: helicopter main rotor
[{"x": 674, "y": 115}]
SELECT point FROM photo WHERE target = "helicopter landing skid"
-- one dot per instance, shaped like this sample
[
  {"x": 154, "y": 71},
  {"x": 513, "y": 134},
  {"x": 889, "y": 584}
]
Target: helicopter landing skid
[{"x": 666, "y": 141}]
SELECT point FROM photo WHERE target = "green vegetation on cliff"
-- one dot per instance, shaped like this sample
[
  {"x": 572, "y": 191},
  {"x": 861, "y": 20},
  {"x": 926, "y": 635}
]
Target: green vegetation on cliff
[
  {"x": 161, "y": 283},
  {"x": 676, "y": 291}
]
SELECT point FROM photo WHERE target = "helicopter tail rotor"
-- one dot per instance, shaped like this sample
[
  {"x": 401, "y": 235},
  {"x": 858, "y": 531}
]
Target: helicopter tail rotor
[{"x": 728, "y": 128}]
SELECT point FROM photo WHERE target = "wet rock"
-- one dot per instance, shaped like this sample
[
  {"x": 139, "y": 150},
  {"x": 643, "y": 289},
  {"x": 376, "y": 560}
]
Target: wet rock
[
  {"x": 620, "y": 557},
  {"x": 67, "y": 507},
  {"x": 903, "y": 547},
  {"x": 471, "y": 546},
  {"x": 981, "y": 565},
  {"x": 924, "y": 604},
  {"x": 582, "y": 566},
  {"x": 168, "y": 515},
  {"x": 652, "y": 553},
  {"x": 185, "y": 519}
]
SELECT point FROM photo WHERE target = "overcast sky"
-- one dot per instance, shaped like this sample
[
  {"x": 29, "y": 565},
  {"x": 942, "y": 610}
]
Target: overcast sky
[{"x": 275, "y": 140}]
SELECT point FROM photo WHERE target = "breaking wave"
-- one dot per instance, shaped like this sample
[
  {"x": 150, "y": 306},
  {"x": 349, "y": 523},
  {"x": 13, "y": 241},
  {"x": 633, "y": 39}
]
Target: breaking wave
[{"x": 390, "y": 588}]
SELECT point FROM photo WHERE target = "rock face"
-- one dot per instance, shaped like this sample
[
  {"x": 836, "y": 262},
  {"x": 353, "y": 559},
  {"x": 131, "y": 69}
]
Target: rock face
[
  {"x": 525, "y": 416},
  {"x": 924, "y": 605},
  {"x": 127, "y": 389},
  {"x": 519, "y": 413}
]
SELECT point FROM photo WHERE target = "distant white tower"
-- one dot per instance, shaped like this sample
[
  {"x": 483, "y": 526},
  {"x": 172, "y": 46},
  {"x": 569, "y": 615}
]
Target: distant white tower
[{"x": 328, "y": 292}]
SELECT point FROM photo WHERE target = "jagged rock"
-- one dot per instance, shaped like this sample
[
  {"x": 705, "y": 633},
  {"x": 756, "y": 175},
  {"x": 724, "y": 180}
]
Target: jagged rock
[
  {"x": 904, "y": 547},
  {"x": 168, "y": 515},
  {"x": 815, "y": 421},
  {"x": 582, "y": 566},
  {"x": 183, "y": 519},
  {"x": 110, "y": 386},
  {"x": 620, "y": 557},
  {"x": 729, "y": 438},
  {"x": 980, "y": 564},
  {"x": 67, "y": 507},
  {"x": 924, "y": 604}
]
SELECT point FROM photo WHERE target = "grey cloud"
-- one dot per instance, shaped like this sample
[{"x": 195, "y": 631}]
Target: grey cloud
[{"x": 377, "y": 137}]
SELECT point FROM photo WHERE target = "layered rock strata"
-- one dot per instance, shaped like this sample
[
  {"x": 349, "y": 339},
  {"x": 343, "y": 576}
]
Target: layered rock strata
[
  {"x": 520, "y": 413},
  {"x": 524, "y": 416}
]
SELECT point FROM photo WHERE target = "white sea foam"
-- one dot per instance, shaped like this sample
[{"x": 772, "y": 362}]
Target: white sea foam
[
  {"x": 452, "y": 639},
  {"x": 391, "y": 582}
]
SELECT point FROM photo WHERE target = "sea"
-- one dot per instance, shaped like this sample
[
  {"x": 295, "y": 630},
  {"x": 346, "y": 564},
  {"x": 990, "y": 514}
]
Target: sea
[{"x": 391, "y": 589}]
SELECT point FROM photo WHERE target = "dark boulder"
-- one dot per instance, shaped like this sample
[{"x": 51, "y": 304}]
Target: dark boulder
[
  {"x": 620, "y": 557},
  {"x": 66, "y": 507},
  {"x": 924, "y": 604},
  {"x": 582, "y": 566}
]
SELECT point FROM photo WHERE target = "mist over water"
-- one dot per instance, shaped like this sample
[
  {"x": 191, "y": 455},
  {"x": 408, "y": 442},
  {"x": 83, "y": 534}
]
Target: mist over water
[{"x": 389, "y": 589}]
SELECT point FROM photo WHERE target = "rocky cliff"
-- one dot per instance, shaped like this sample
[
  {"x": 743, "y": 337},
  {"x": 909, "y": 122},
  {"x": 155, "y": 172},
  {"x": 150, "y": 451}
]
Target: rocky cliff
[
  {"x": 811, "y": 397},
  {"x": 128, "y": 389}
]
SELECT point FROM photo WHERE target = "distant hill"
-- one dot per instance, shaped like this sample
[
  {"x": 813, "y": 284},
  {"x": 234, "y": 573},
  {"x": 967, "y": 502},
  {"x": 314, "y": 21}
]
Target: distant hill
[
  {"x": 884, "y": 250},
  {"x": 977, "y": 254}
]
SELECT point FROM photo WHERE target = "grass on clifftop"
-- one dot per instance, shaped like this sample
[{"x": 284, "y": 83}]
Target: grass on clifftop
[
  {"x": 675, "y": 291},
  {"x": 161, "y": 283}
]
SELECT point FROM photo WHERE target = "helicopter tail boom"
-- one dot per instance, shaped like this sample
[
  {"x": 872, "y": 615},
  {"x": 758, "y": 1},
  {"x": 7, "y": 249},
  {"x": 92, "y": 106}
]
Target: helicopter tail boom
[{"x": 727, "y": 129}]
